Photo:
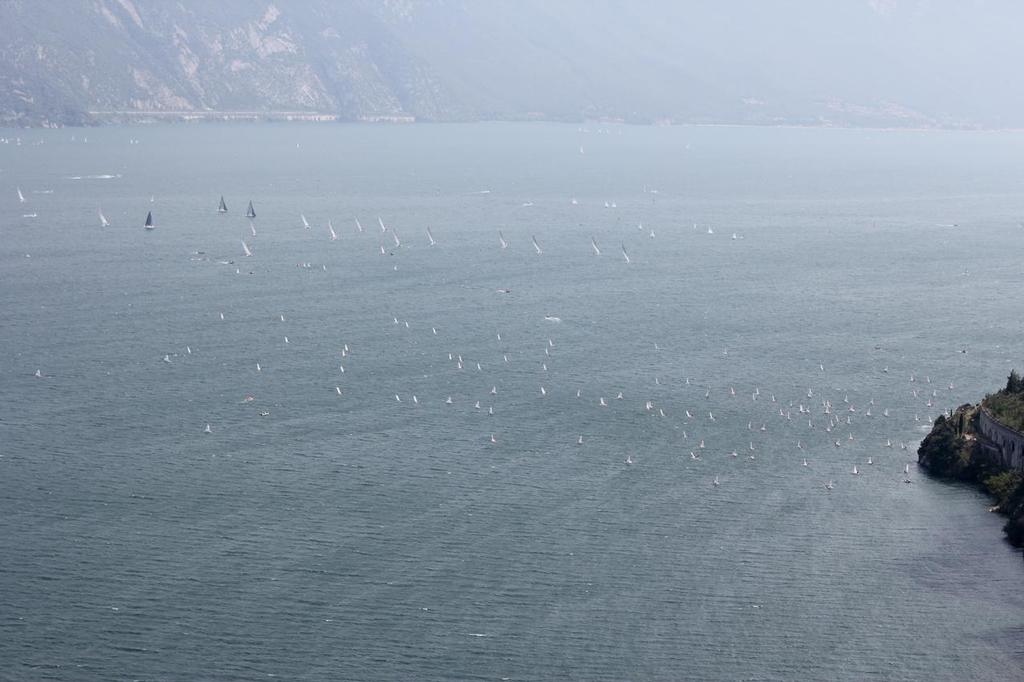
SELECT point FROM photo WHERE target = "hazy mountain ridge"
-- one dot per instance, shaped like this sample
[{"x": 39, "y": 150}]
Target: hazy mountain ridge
[{"x": 849, "y": 63}]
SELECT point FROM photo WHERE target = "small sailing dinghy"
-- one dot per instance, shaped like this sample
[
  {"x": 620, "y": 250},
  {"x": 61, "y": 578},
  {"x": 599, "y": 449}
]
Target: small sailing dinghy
[
  {"x": 149, "y": 221},
  {"x": 103, "y": 219},
  {"x": 250, "y": 212},
  {"x": 223, "y": 208}
]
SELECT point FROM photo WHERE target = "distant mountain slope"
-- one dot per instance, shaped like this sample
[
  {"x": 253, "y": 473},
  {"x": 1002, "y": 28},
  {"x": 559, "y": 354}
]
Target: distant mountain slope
[{"x": 849, "y": 62}]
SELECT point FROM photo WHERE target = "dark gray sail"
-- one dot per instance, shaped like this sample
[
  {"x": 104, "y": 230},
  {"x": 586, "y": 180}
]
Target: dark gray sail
[
  {"x": 149, "y": 221},
  {"x": 250, "y": 213},
  {"x": 223, "y": 208}
]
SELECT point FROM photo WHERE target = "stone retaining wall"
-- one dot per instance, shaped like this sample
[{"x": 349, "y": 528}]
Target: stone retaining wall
[{"x": 1009, "y": 442}]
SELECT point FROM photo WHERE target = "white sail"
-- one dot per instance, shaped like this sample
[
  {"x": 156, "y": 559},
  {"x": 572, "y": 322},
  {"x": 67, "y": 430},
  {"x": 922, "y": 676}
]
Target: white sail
[
  {"x": 103, "y": 219},
  {"x": 430, "y": 237},
  {"x": 245, "y": 248},
  {"x": 501, "y": 238},
  {"x": 21, "y": 197},
  {"x": 381, "y": 223},
  {"x": 334, "y": 235},
  {"x": 536, "y": 245},
  {"x": 593, "y": 245},
  {"x": 394, "y": 235},
  {"x": 305, "y": 223},
  {"x": 252, "y": 227},
  {"x": 359, "y": 227},
  {"x": 624, "y": 254}
]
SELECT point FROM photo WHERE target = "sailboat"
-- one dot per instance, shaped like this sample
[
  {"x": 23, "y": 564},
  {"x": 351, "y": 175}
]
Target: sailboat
[
  {"x": 624, "y": 254},
  {"x": 593, "y": 245},
  {"x": 21, "y": 197},
  {"x": 250, "y": 212},
  {"x": 430, "y": 237},
  {"x": 222, "y": 207},
  {"x": 305, "y": 223},
  {"x": 381, "y": 223},
  {"x": 103, "y": 219},
  {"x": 245, "y": 248},
  {"x": 149, "y": 221},
  {"x": 359, "y": 227},
  {"x": 334, "y": 235},
  {"x": 394, "y": 235},
  {"x": 536, "y": 245},
  {"x": 501, "y": 238}
]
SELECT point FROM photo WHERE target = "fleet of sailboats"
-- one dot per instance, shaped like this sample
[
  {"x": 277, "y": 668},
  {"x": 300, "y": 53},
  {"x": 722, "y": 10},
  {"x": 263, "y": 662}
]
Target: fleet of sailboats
[{"x": 544, "y": 392}]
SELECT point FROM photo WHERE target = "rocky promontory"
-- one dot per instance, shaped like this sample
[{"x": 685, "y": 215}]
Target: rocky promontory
[{"x": 982, "y": 445}]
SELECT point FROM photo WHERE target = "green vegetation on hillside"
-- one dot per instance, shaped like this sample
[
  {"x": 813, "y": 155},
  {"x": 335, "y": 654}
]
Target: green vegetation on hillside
[{"x": 1008, "y": 404}]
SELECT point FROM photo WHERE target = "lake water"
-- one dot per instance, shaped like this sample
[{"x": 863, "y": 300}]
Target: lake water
[{"x": 355, "y": 536}]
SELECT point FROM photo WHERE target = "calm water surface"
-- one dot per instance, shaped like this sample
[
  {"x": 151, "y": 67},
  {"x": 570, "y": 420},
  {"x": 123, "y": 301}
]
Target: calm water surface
[{"x": 355, "y": 536}]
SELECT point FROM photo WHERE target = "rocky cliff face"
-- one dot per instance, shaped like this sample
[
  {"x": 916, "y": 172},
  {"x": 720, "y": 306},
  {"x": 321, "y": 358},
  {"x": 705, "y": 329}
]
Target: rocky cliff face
[
  {"x": 73, "y": 62},
  {"x": 955, "y": 449}
]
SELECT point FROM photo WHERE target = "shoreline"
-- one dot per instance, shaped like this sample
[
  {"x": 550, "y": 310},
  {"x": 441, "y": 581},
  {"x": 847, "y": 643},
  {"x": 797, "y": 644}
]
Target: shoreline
[
  {"x": 107, "y": 117},
  {"x": 101, "y": 119}
]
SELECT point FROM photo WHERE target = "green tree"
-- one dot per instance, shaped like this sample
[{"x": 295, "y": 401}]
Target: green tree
[{"x": 1001, "y": 486}]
